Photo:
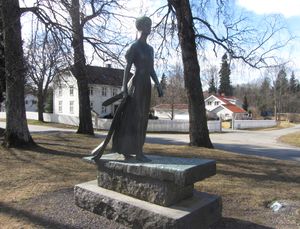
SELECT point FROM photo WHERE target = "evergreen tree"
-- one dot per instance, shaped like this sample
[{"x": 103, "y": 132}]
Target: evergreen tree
[
  {"x": 281, "y": 92},
  {"x": 224, "y": 73},
  {"x": 49, "y": 101},
  {"x": 163, "y": 82},
  {"x": 265, "y": 101},
  {"x": 2, "y": 63},
  {"x": 245, "y": 103},
  {"x": 212, "y": 86},
  {"x": 293, "y": 83}
]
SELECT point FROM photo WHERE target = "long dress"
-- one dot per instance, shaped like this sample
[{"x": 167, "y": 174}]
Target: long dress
[{"x": 129, "y": 135}]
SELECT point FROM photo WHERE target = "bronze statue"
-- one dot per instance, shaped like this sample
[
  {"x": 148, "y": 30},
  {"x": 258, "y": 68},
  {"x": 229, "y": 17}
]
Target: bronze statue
[{"x": 129, "y": 126}]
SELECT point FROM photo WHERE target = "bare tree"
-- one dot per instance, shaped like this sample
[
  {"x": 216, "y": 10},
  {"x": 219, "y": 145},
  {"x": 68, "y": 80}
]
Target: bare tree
[
  {"x": 175, "y": 92},
  {"x": 17, "y": 132},
  {"x": 199, "y": 135},
  {"x": 236, "y": 38},
  {"x": 44, "y": 61},
  {"x": 76, "y": 23}
]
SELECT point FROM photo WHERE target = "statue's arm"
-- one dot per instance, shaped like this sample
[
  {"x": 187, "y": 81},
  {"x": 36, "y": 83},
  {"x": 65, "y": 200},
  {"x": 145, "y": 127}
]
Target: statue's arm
[
  {"x": 126, "y": 76},
  {"x": 157, "y": 84}
]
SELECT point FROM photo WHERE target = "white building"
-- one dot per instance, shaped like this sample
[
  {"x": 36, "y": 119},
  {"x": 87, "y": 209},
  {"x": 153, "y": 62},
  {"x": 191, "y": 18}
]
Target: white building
[
  {"x": 225, "y": 107},
  {"x": 103, "y": 82},
  {"x": 216, "y": 107},
  {"x": 30, "y": 103}
]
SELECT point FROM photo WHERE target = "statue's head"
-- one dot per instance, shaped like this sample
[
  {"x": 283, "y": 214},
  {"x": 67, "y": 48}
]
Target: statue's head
[{"x": 143, "y": 24}]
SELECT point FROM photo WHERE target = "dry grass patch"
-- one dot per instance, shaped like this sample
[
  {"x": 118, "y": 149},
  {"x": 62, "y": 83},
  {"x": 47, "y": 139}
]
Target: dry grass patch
[
  {"x": 292, "y": 139},
  {"x": 245, "y": 183},
  {"x": 279, "y": 126}
]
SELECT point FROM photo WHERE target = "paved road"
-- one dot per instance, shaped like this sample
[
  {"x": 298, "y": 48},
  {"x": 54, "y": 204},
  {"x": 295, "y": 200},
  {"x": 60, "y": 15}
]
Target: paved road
[{"x": 260, "y": 143}]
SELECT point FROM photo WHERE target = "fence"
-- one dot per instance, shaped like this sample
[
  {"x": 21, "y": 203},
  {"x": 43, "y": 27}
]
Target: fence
[
  {"x": 248, "y": 124},
  {"x": 104, "y": 124},
  {"x": 166, "y": 125}
]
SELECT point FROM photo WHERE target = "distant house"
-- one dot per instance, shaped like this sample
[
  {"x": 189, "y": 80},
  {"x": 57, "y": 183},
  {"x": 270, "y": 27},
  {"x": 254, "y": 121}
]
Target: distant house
[
  {"x": 103, "y": 82},
  {"x": 224, "y": 107},
  {"x": 30, "y": 103}
]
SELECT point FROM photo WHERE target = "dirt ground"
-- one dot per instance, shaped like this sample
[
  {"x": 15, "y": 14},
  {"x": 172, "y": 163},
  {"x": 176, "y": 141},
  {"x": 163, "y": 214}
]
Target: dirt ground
[{"x": 37, "y": 185}]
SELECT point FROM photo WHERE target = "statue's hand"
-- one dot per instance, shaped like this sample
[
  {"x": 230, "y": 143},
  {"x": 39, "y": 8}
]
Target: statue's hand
[
  {"x": 160, "y": 91},
  {"x": 125, "y": 92}
]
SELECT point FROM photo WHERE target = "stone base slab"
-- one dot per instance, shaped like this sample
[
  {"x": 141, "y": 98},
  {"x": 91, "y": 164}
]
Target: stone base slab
[
  {"x": 181, "y": 171},
  {"x": 144, "y": 188},
  {"x": 199, "y": 211}
]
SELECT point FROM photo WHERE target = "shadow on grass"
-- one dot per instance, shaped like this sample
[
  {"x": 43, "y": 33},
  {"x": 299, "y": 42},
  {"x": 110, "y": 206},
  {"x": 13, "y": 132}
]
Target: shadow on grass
[
  {"x": 44, "y": 220},
  {"x": 231, "y": 223},
  {"x": 40, "y": 149},
  {"x": 30, "y": 217},
  {"x": 257, "y": 177},
  {"x": 270, "y": 170}
]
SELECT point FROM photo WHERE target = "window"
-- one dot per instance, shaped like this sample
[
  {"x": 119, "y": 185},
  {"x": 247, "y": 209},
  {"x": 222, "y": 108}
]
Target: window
[
  {"x": 60, "y": 91},
  {"x": 104, "y": 89},
  {"x": 114, "y": 91},
  {"x": 91, "y": 91},
  {"x": 71, "y": 107},
  {"x": 217, "y": 103},
  {"x": 72, "y": 90},
  {"x": 33, "y": 102},
  {"x": 103, "y": 111},
  {"x": 26, "y": 101},
  {"x": 60, "y": 106},
  {"x": 92, "y": 105},
  {"x": 209, "y": 103}
]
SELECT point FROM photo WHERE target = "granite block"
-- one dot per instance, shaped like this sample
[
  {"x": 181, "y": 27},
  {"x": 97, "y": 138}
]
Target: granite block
[{"x": 199, "y": 211}]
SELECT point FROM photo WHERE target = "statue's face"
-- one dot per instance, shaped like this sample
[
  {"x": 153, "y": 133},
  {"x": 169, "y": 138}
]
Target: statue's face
[
  {"x": 147, "y": 29},
  {"x": 143, "y": 25}
]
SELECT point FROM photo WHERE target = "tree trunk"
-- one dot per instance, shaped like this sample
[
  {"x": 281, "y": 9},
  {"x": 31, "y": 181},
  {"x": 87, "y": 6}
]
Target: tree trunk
[
  {"x": 79, "y": 71},
  {"x": 17, "y": 132},
  {"x": 199, "y": 134},
  {"x": 40, "y": 96}
]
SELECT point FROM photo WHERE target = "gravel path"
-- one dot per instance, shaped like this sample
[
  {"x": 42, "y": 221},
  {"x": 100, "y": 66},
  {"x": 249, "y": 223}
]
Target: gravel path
[{"x": 57, "y": 210}]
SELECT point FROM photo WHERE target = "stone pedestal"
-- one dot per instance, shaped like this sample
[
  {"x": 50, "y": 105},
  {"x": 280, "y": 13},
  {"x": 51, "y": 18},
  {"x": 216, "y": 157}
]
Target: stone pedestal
[{"x": 155, "y": 194}]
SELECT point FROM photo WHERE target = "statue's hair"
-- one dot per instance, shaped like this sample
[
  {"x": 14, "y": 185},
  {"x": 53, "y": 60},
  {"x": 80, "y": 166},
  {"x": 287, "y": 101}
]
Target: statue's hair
[{"x": 142, "y": 23}]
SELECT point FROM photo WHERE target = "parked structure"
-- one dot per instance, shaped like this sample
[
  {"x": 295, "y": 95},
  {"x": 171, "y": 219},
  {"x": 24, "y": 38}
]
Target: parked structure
[
  {"x": 177, "y": 112},
  {"x": 104, "y": 82},
  {"x": 171, "y": 111}
]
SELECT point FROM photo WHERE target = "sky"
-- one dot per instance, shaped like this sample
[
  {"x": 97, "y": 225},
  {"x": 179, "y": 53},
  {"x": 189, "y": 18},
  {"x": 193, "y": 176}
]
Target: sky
[
  {"x": 290, "y": 13},
  {"x": 256, "y": 10}
]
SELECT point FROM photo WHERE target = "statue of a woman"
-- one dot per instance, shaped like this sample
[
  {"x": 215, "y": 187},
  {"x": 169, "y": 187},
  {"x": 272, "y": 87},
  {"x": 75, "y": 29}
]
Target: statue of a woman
[{"x": 129, "y": 129}]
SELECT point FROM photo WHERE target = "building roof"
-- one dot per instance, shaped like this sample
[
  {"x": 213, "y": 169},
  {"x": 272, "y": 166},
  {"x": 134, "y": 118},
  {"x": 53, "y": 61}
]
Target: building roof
[
  {"x": 169, "y": 107},
  {"x": 101, "y": 75},
  {"x": 104, "y": 75},
  {"x": 224, "y": 99},
  {"x": 233, "y": 108}
]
